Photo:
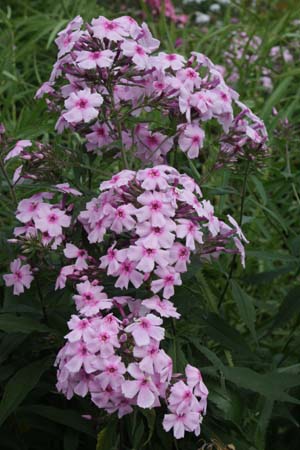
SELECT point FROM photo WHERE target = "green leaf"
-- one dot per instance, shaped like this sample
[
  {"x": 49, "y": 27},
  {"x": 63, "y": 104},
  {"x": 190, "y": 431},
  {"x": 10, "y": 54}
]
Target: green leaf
[
  {"x": 107, "y": 437},
  {"x": 19, "y": 386},
  {"x": 150, "y": 415},
  {"x": 71, "y": 440},
  {"x": 271, "y": 385},
  {"x": 289, "y": 307},
  {"x": 245, "y": 306},
  {"x": 9, "y": 343},
  {"x": 68, "y": 417},
  {"x": 276, "y": 96},
  {"x": 11, "y": 323}
]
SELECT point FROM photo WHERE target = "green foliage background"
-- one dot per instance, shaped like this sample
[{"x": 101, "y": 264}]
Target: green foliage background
[{"x": 241, "y": 327}]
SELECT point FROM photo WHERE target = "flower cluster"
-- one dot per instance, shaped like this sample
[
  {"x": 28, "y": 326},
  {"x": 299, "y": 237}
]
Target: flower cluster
[
  {"x": 42, "y": 220},
  {"x": 167, "y": 8},
  {"x": 38, "y": 161},
  {"x": 246, "y": 48},
  {"x": 116, "y": 358},
  {"x": 151, "y": 220},
  {"x": 112, "y": 87},
  {"x": 109, "y": 72}
]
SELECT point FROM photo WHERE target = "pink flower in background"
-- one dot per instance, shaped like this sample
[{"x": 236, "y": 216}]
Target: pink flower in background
[
  {"x": 99, "y": 137},
  {"x": 67, "y": 189},
  {"x": 18, "y": 149},
  {"x": 20, "y": 278},
  {"x": 82, "y": 106},
  {"x": 191, "y": 140}
]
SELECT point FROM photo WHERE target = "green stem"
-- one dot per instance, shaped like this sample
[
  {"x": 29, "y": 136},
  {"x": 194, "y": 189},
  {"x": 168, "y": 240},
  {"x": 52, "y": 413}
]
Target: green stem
[
  {"x": 243, "y": 195},
  {"x": 10, "y": 185}
]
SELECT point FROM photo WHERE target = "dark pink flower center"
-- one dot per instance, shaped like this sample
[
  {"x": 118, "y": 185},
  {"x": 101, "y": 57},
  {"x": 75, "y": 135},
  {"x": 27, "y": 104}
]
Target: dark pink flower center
[
  {"x": 82, "y": 103},
  {"x": 171, "y": 57},
  {"x": 155, "y": 205},
  {"x": 145, "y": 324},
  {"x": 169, "y": 279},
  {"x": 52, "y": 218}
]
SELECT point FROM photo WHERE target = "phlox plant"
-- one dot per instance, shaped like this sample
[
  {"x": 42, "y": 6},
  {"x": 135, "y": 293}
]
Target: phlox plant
[{"x": 122, "y": 249}]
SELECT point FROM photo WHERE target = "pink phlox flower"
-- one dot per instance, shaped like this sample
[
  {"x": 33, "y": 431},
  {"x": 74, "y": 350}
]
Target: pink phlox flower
[
  {"x": 110, "y": 261},
  {"x": 213, "y": 222},
  {"x": 67, "y": 189},
  {"x": 92, "y": 60},
  {"x": 81, "y": 255},
  {"x": 122, "y": 217},
  {"x": 127, "y": 272},
  {"x": 142, "y": 387},
  {"x": 190, "y": 231},
  {"x": 52, "y": 220},
  {"x": 147, "y": 257},
  {"x": 182, "y": 398},
  {"x": 241, "y": 250},
  {"x": 63, "y": 276},
  {"x": 112, "y": 30},
  {"x": 195, "y": 381},
  {"x": 187, "y": 421},
  {"x": 104, "y": 398},
  {"x": 153, "y": 359},
  {"x": 168, "y": 278},
  {"x": 20, "y": 276},
  {"x": 156, "y": 237},
  {"x": 18, "y": 149},
  {"x": 146, "y": 39},
  {"x": 80, "y": 329},
  {"x": 156, "y": 208},
  {"x": 153, "y": 178},
  {"x": 99, "y": 137},
  {"x": 137, "y": 52},
  {"x": 90, "y": 299},
  {"x": 121, "y": 179},
  {"x": 112, "y": 371},
  {"x": 30, "y": 208},
  {"x": 79, "y": 356},
  {"x": 145, "y": 328},
  {"x": 191, "y": 140},
  {"x": 238, "y": 229},
  {"x": 103, "y": 338},
  {"x": 180, "y": 256},
  {"x": 82, "y": 106},
  {"x": 83, "y": 383},
  {"x": 169, "y": 60},
  {"x": 164, "y": 308}
]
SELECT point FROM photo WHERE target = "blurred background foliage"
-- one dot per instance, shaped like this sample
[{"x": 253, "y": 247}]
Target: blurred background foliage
[{"x": 241, "y": 327}]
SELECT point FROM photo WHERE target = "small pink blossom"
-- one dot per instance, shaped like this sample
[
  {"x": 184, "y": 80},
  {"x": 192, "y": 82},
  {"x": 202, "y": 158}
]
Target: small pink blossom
[
  {"x": 168, "y": 278},
  {"x": 145, "y": 328},
  {"x": 164, "y": 307},
  {"x": 18, "y": 149},
  {"x": 142, "y": 387},
  {"x": 82, "y": 106},
  {"x": 81, "y": 255},
  {"x": 92, "y": 60},
  {"x": 20, "y": 278}
]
